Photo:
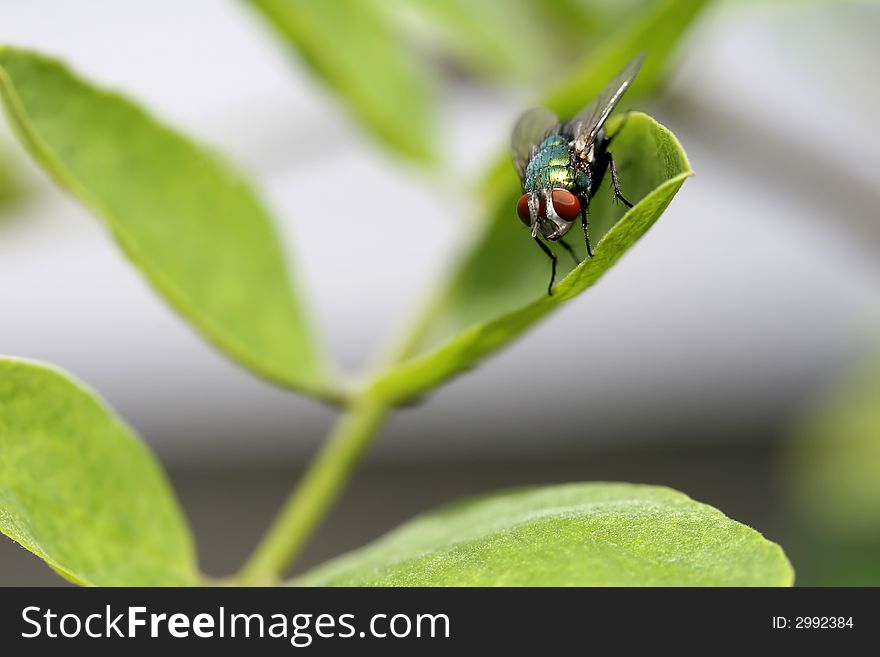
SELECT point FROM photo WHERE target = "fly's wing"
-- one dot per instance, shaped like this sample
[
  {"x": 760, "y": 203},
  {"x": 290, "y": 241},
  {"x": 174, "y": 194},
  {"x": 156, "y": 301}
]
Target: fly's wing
[
  {"x": 584, "y": 127},
  {"x": 533, "y": 127}
]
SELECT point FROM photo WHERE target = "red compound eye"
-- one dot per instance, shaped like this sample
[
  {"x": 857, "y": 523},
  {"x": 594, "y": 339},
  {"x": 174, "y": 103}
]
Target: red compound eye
[
  {"x": 565, "y": 203},
  {"x": 522, "y": 209}
]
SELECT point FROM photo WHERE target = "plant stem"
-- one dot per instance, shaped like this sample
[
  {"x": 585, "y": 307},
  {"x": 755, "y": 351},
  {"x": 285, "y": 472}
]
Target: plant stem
[
  {"x": 328, "y": 473},
  {"x": 316, "y": 492}
]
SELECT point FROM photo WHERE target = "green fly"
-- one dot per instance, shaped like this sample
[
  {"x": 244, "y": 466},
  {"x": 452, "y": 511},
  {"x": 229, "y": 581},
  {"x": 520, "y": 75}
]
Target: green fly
[{"x": 562, "y": 164}]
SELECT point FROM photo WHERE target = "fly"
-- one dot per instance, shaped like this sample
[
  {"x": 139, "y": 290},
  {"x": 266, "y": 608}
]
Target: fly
[{"x": 562, "y": 164}]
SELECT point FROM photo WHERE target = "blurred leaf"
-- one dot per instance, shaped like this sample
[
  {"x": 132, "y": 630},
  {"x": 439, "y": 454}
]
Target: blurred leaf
[
  {"x": 349, "y": 44},
  {"x": 571, "y": 535},
  {"x": 80, "y": 491},
  {"x": 835, "y": 458},
  {"x": 181, "y": 214},
  {"x": 656, "y": 31},
  {"x": 505, "y": 281},
  {"x": 8, "y": 186},
  {"x": 483, "y": 36},
  {"x": 534, "y": 40},
  {"x": 833, "y": 560},
  {"x": 582, "y": 25},
  {"x": 833, "y": 467}
]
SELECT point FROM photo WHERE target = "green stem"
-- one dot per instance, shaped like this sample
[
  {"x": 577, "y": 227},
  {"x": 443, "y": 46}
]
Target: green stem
[
  {"x": 317, "y": 491},
  {"x": 328, "y": 473}
]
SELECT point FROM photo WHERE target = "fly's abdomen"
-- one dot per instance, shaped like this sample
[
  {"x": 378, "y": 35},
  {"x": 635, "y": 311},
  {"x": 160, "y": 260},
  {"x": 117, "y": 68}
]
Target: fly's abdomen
[{"x": 550, "y": 167}]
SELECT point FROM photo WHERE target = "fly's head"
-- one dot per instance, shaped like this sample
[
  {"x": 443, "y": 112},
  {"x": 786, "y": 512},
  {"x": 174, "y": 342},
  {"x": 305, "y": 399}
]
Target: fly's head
[{"x": 551, "y": 212}]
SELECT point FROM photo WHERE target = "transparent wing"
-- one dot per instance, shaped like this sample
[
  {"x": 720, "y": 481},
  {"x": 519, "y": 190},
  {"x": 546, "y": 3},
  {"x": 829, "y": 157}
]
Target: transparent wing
[
  {"x": 531, "y": 129},
  {"x": 584, "y": 126}
]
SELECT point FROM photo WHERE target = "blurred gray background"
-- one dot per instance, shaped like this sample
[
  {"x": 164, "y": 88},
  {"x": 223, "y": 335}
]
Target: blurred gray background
[{"x": 759, "y": 285}]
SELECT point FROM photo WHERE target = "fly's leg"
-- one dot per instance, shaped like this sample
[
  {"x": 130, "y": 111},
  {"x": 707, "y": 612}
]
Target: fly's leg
[
  {"x": 586, "y": 225},
  {"x": 567, "y": 247},
  {"x": 603, "y": 163},
  {"x": 615, "y": 183},
  {"x": 552, "y": 256}
]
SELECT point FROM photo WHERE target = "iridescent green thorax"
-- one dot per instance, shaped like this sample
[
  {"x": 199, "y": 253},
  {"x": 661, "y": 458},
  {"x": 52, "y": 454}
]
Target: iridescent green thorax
[{"x": 550, "y": 167}]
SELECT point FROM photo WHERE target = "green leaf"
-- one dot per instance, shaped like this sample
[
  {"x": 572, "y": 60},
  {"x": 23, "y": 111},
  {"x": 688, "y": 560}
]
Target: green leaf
[
  {"x": 656, "y": 31},
  {"x": 485, "y": 37},
  {"x": 80, "y": 491},
  {"x": 596, "y": 534},
  {"x": 9, "y": 188},
  {"x": 351, "y": 47},
  {"x": 182, "y": 215},
  {"x": 500, "y": 291},
  {"x": 488, "y": 37},
  {"x": 832, "y": 472},
  {"x": 835, "y": 458},
  {"x": 581, "y": 24}
]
